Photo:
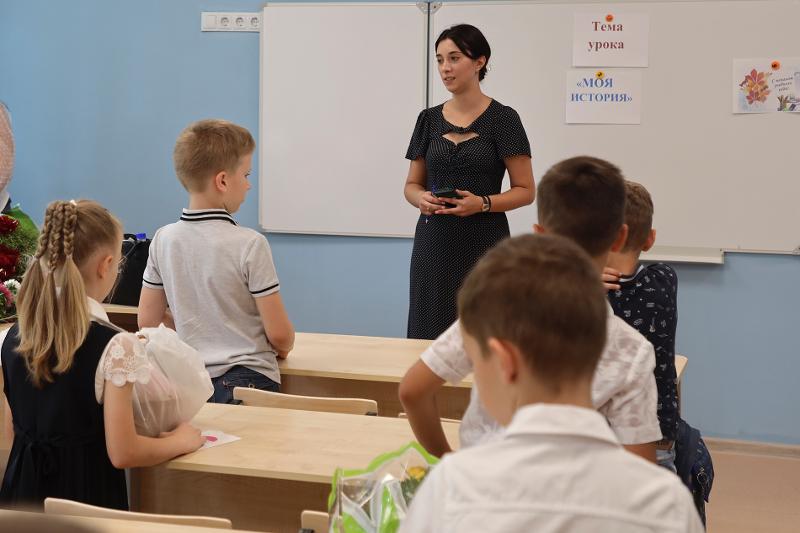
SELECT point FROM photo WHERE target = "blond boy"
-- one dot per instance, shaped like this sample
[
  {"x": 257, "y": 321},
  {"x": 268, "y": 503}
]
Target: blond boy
[{"x": 216, "y": 277}]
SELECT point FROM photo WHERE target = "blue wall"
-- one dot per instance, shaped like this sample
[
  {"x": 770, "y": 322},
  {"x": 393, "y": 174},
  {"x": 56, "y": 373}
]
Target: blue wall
[{"x": 99, "y": 89}]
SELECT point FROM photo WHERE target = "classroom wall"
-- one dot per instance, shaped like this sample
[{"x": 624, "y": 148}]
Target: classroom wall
[{"x": 99, "y": 89}]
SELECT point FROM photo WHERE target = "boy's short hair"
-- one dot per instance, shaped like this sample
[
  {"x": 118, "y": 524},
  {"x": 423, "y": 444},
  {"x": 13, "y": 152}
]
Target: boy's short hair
[
  {"x": 541, "y": 293},
  {"x": 583, "y": 198},
  {"x": 638, "y": 215},
  {"x": 207, "y": 147}
]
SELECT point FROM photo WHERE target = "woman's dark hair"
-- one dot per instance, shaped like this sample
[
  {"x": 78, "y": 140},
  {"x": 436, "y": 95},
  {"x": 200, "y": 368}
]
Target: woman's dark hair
[{"x": 470, "y": 41}]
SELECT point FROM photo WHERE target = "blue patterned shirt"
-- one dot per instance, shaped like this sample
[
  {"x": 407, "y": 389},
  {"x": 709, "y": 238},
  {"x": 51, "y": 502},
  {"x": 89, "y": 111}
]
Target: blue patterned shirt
[{"x": 648, "y": 301}]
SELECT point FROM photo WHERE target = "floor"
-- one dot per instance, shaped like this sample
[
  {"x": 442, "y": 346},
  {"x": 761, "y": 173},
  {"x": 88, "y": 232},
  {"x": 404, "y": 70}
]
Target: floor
[{"x": 754, "y": 493}]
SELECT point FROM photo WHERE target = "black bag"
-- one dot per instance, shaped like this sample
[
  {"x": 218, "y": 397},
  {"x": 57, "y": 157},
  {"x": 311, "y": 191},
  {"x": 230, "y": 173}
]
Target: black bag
[
  {"x": 694, "y": 465},
  {"x": 135, "y": 250}
]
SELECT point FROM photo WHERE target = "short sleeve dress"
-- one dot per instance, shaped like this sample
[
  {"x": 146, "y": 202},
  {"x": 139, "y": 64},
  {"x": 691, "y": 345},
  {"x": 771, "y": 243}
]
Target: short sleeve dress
[{"x": 446, "y": 247}]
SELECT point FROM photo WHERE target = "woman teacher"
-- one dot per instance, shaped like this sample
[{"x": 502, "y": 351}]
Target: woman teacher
[{"x": 460, "y": 150}]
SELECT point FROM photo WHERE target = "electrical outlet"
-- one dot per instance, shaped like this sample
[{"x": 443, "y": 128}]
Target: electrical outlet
[{"x": 229, "y": 21}]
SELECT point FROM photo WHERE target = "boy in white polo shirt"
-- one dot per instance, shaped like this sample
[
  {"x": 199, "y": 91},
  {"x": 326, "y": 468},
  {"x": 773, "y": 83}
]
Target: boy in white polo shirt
[
  {"x": 216, "y": 277},
  {"x": 582, "y": 198},
  {"x": 533, "y": 319}
]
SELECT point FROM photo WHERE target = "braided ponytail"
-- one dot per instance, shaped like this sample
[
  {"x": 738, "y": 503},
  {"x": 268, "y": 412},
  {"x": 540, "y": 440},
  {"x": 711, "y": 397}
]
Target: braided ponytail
[{"x": 52, "y": 307}]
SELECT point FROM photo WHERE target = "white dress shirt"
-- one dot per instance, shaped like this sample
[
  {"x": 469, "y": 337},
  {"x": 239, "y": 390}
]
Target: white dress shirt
[
  {"x": 623, "y": 389},
  {"x": 557, "y": 469}
]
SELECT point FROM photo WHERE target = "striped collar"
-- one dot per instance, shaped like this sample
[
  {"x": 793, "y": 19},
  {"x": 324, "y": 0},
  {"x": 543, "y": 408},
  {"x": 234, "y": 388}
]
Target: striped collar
[{"x": 201, "y": 215}]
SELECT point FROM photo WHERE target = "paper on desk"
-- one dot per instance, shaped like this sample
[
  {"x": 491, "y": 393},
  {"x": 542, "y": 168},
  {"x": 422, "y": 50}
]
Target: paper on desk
[{"x": 214, "y": 437}]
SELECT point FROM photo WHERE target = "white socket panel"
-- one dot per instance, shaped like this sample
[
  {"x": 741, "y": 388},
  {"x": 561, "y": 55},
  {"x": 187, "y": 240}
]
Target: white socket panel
[{"x": 230, "y": 21}]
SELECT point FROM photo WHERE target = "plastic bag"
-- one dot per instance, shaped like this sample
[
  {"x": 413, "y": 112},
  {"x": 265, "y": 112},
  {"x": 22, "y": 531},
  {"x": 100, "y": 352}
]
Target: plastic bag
[
  {"x": 376, "y": 499},
  {"x": 178, "y": 387}
]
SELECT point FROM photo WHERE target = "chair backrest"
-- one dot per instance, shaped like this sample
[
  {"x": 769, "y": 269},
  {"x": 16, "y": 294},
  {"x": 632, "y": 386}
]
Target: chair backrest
[
  {"x": 261, "y": 398},
  {"x": 316, "y": 521},
  {"x": 71, "y": 508}
]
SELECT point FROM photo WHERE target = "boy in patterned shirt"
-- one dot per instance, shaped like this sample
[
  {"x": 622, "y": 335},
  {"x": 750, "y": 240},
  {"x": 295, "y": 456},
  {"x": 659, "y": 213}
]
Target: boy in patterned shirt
[
  {"x": 647, "y": 300},
  {"x": 583, "y": 199}
]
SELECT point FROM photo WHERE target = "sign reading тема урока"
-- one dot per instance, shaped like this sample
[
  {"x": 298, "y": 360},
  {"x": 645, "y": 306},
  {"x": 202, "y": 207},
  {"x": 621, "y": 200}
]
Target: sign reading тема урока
[{"x": 611, "y": 40}]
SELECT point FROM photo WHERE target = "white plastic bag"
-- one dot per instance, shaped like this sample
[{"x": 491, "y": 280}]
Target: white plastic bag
[{"x": 178, "y": 387}]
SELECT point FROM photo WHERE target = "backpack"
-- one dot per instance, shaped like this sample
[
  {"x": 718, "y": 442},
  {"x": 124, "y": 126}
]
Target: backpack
[
  {"x": 135, "y": 251},
  {"x": 694, "y": 465}
]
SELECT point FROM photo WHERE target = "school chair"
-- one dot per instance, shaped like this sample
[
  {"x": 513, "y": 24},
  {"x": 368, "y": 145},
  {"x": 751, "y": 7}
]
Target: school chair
[
  {"x": 261, "y": 398},
  {"x": 314, "y": 521},
  {"x": 70, "y": 508},
  {"x": 402, "y": 414}
]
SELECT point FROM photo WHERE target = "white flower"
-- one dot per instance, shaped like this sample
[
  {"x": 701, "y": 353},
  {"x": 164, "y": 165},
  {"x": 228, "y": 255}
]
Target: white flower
[{"x": 13, "y": 285}]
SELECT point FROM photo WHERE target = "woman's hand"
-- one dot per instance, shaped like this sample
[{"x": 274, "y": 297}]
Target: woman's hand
[
  {"x": 428, "y": 203},
  {"x": 468, "y": 205}
]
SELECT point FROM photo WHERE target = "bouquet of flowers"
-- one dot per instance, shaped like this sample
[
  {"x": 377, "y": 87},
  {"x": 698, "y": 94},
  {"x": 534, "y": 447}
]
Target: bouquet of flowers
[
  {"x": 376, "y": 499},
  {"x": 18, "y": 235}
]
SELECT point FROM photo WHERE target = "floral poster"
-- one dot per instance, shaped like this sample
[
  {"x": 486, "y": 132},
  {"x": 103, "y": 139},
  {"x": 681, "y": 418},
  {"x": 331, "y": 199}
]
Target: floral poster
[{"x": 766, "y": 85}]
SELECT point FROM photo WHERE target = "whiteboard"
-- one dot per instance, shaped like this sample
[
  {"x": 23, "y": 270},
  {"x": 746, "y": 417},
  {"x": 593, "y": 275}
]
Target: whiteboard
[
  {"x": 718, "y": 180},
  {"x": 341, "y": 88}
]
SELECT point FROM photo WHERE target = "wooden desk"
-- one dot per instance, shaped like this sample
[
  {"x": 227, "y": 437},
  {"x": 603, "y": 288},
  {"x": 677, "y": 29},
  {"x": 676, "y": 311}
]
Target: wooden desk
[
  {"x": 361, "y": 367},
  {"x": 680, "y": 367},
  {"x": 103, "y": 525},
  {"x": 124, "y": 316},
  {"x": 283, "y": 464}
]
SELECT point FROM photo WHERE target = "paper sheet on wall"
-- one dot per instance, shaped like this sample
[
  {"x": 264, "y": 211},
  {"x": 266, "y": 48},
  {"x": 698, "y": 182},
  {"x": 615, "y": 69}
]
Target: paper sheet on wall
[
  {"x": 766, "y": 85},
  {"x": 214, "y": 437},
  {"x": 611, "y": 40},
  {"x": 604, "y": 96}
]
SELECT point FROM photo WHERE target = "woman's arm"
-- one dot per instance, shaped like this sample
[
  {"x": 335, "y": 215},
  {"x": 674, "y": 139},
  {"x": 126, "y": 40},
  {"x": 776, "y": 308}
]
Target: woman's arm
[
  {"x": 416, "y": 188},
  {"x": 126, "y": 448},
  {"x": 522, "y": 191}
]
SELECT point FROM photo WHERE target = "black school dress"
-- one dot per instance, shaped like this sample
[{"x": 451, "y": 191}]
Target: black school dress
[
  {"x": 446, "y": 247},
  {"x": 59, "y": 445}
]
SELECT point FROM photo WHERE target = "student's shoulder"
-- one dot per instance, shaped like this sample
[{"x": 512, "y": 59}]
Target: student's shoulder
[
  {"x": 661, "y": 272},
  {"x": 625, "y": 343}
]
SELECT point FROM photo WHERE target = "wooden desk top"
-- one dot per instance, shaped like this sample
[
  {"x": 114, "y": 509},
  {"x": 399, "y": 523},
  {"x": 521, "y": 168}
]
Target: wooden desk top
[
  {"x": 121, "y": 309},
  {"x": 353, "y": 357},
  {"x": 111, "y": 525},
  {"x": 295, "y": 445},
  {"x": 680, "y": 365}
]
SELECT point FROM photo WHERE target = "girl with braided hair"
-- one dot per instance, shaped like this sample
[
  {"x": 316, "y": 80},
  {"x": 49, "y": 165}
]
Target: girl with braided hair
[{"x": 66, "y": 443}]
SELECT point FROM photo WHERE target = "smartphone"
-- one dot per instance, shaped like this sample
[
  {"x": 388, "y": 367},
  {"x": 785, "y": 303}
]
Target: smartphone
[{"x": 447, "y": 192}]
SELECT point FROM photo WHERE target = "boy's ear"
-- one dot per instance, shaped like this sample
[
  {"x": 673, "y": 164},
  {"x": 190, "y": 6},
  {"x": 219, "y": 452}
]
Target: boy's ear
[
  {"x": 622, "y": 238},
  {"x": 651, "y": 240},
  {"x": 507, "y": 357},
  {"x": 221, "y": 181},
  {"x": 537, "y": 228}
]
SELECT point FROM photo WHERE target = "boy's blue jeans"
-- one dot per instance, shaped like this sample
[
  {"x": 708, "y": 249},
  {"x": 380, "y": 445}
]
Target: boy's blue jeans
[
  {"x": 666, "y": 458},
  {"x": 240, "y": 376}
]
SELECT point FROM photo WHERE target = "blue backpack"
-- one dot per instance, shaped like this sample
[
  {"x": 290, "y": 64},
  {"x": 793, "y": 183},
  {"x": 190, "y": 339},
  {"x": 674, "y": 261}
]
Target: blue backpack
[{"x": 694, "y": 465}]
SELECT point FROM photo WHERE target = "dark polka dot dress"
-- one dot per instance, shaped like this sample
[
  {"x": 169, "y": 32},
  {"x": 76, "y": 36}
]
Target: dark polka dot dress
[{"x": 446, "y": 247}]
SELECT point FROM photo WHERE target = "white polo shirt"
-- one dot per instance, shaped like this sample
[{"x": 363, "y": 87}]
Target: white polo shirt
[
  {"x": 558, "y": 468},
  {"x": 212, "y": 270},
  {"x": 623, "y": 389}
]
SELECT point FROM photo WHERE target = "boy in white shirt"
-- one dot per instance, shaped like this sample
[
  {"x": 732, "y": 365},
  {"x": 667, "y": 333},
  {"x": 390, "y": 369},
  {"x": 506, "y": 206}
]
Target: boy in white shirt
[
  {"x": 532, "y": 314},
  {"x": 218, "y": 278},
  {"x": 582, "y": 198}
]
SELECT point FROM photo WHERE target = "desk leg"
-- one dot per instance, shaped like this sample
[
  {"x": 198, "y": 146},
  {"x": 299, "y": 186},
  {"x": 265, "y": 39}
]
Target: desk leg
[
  {"x": 452, "y": 401},
  {"x": 252, "y": 503}
]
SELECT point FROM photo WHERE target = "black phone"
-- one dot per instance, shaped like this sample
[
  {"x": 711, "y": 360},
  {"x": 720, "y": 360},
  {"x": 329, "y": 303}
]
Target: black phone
[{"x": 447, "y": 192}]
